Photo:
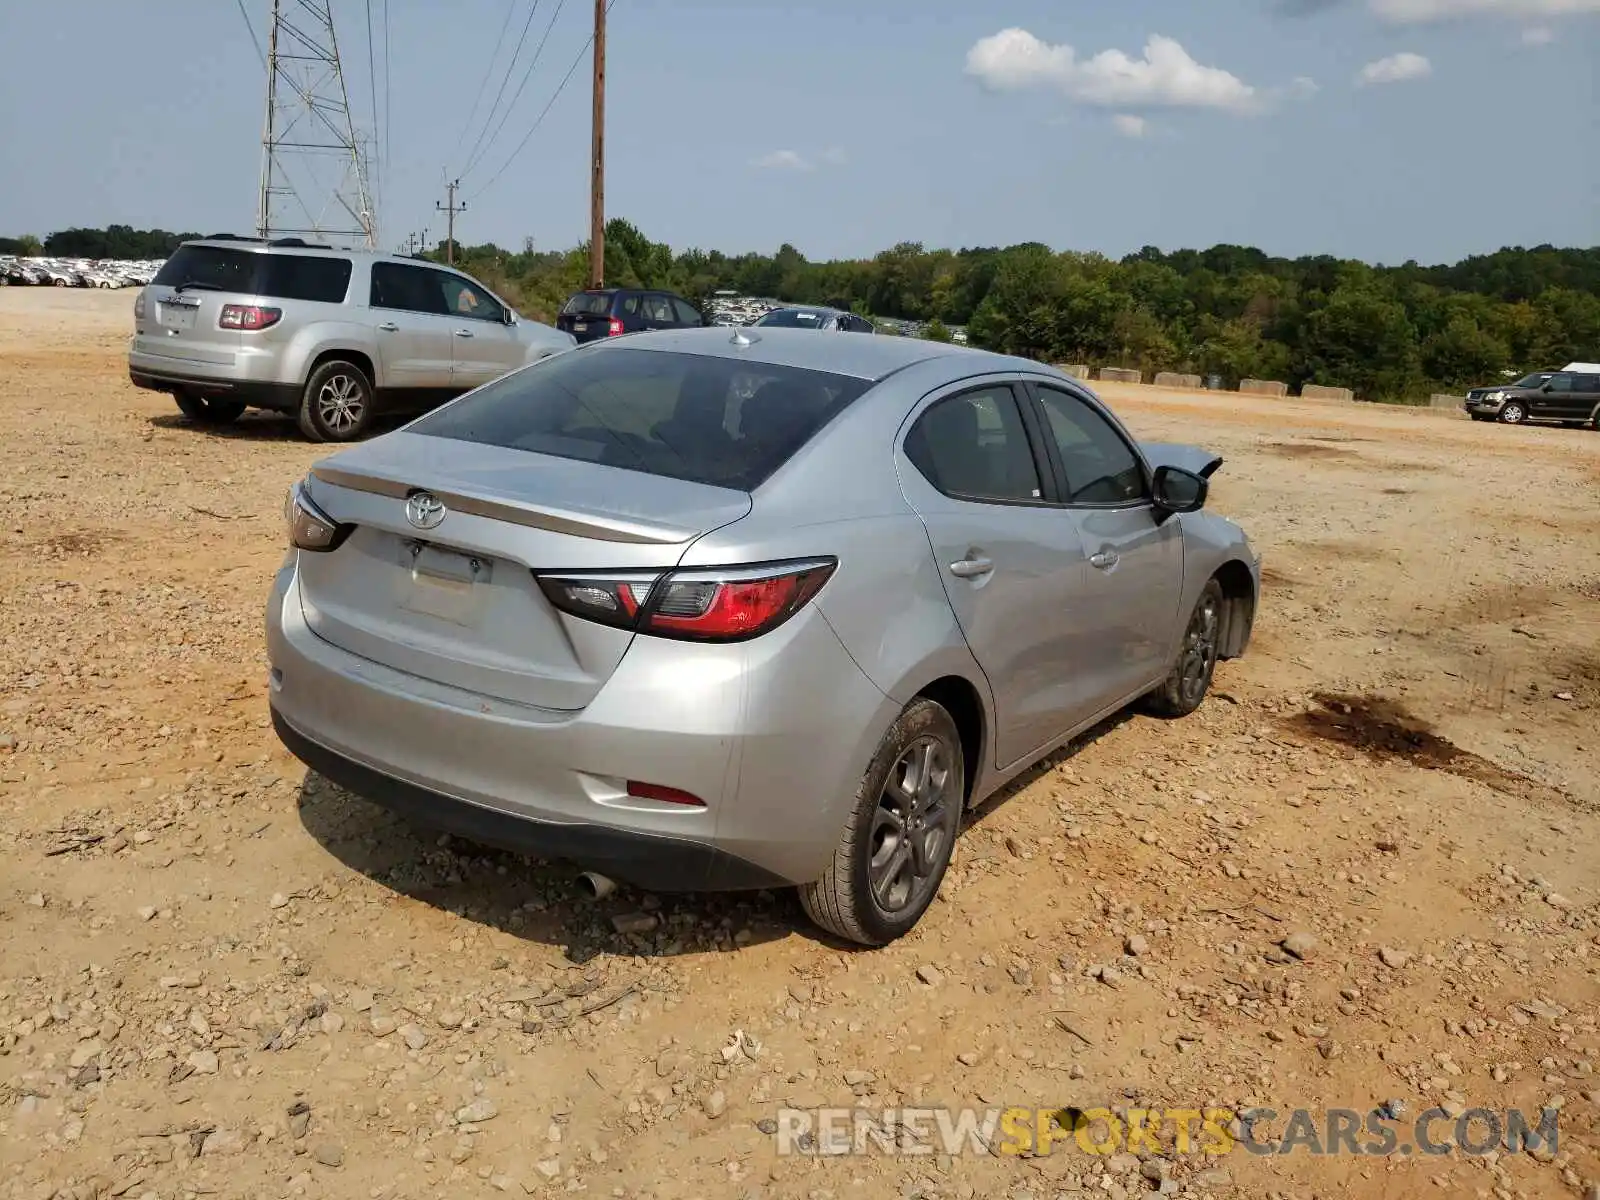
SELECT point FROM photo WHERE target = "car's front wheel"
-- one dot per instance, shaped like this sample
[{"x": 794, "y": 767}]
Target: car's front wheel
[
  {"x": 1513, "y": 413},
  {"x": 1190, "y": 678},
  {"x": 208, "y": 410},
  {"x": 898, "y": 839},
  {"x": 337, "y": 403}
]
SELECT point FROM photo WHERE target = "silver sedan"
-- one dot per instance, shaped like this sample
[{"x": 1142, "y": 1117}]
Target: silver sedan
[{"x": 705, "y": 609}]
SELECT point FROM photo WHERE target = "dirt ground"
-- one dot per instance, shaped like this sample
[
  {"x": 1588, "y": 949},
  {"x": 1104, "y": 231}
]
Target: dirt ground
[{"x": 221, "y": 978}]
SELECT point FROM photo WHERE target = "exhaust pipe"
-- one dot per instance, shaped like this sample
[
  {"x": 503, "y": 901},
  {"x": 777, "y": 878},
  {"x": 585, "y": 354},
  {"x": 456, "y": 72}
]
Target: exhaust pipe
[{"x": 597, "y": 886}]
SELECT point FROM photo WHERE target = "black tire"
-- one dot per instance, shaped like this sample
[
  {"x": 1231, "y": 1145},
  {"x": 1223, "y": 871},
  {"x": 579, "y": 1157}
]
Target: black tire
[
  {"x": 208, "y": 410},
  {"x": 336, "y": 405},
  {"x": 859, "y": 902},
  {"x": 1513, "y": 412},
  {"x": 1186, "y": 684}
]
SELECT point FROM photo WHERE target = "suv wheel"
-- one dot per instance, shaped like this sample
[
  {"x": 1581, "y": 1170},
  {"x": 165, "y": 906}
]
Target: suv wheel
[
  {"x": 337, "y": 403},
  {"x": 901, "y": 830},
  {"x": 1513, "y": 413},
  {"x": 208, "y": 410}
]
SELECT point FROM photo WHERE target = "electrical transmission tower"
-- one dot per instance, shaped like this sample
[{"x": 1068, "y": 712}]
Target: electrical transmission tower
[{"x": 314, "y": 177}]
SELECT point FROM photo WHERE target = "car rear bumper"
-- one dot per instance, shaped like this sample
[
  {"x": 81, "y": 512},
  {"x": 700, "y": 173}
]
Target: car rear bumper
[
  {"x": 280, "y": 397},
  {"x": 773, "y": 734}
]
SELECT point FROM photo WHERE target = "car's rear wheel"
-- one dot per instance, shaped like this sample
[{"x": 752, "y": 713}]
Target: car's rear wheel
[
  {"x": 1513, "y": 413},
  {"x": 208, "y": 410},
  {"x": 898, "y": 839},
  {"x": 1190, "y": 678},
  {"x": 337, "y": 403}
]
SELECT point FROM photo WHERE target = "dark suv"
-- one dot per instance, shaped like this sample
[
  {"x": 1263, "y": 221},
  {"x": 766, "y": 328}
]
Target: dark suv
[
  {"x": 609, "y": 312},
  {"x": 1569, "y": 396}
]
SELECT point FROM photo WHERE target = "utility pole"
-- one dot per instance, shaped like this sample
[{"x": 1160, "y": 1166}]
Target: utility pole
[
  {"x": 597, "y": 180},
  {"x": 309, "y": 126},
  {"x": 450, "y": 209}
]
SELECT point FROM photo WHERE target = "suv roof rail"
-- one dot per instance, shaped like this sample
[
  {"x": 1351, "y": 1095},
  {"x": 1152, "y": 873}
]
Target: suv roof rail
[
  {"x": 299, "y": 241},
  {"x": 230, "y": 237}
]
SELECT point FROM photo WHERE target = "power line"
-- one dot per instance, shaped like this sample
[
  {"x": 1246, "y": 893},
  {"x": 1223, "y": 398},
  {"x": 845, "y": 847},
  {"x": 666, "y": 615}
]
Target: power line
[
  {"x": 521, "y": 87},
  {"x": 504, "y": 79},
  {"x": 483, "y": 83},
  {"x": 539, "y": 120},
  {"x": 250, "y": 25}
]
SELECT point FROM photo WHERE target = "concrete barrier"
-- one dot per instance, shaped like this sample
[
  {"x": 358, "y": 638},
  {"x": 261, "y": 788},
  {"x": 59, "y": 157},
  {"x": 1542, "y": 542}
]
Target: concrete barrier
[
  {"x": 1172, "y": 379},
  {"x": 1263, "y": 387},
  {"x": 1317, "y": 391},
  {"x": 1076, "y": 370},
  {"x": 1120, "y": 375},
  {"x": 1440, "y": 400}
]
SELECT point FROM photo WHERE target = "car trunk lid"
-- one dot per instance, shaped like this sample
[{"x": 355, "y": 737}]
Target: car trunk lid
[{"x": 458, "y": 603}]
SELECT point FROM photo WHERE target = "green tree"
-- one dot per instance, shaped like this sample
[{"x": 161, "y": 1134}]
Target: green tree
[
  {"x": 1363, "y": 340},
  {"x": 936, "y": 331},
  {"x": 1462, "y": 353}
]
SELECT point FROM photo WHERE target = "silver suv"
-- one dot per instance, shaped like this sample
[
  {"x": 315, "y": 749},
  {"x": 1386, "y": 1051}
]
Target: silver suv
[{"x": 332, "y": 336}]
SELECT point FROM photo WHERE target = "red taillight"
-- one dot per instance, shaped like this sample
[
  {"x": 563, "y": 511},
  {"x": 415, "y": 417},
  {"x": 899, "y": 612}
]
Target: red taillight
[
  {"x": 727, "y": 604},
  {"x": 667, "y": 795},
  {"x": 248, "y": 317},
  {"x": 613, "y": 327}
]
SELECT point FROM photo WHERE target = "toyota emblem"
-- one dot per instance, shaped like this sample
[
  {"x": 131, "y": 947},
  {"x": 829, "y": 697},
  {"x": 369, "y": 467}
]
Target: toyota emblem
[{"x": 424, "y": 510}]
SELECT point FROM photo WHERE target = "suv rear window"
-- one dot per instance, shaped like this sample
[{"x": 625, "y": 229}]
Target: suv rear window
[
  {"x": 709, "y": 420},
  {"x": 588, "y": 302},
  {"x": 257, "y": 273},
  {"x": 794, "y": 318}
]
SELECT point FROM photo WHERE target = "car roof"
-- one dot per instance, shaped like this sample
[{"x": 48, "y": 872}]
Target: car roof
[
  {"x": 861, "y": 358},
  {"x": 300, "y": 246}
]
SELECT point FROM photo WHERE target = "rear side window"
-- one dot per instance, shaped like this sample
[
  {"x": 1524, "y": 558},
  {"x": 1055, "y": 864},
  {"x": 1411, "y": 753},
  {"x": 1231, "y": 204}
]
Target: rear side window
[
  {"x": 278, "y": 276},
  {"x": 686, "y": 416},
  {"x": 686, "y": 313},
  {"x": 973, "y": 447},
  {"x": 592, "y": 303}
]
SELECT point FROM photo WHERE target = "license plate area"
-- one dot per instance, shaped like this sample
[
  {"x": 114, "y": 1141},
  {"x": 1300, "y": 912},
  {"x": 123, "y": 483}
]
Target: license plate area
[
  {"x": 580, "y": 327},
  {"x": 443, "y": 584},
  {"x": 178, "y": 316}
]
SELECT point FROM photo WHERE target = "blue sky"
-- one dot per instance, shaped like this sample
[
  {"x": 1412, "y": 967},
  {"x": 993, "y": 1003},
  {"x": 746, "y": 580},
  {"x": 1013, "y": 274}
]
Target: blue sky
[{"x": 1379, "y": 129}]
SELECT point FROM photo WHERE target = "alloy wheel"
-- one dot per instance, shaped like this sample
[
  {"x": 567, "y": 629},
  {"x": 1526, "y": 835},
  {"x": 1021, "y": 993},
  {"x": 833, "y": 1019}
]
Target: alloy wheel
[
  {"x": 1199, "y": 650},
  {"x": 913, "y": 825},
  {"x": 339, "y": 403}
]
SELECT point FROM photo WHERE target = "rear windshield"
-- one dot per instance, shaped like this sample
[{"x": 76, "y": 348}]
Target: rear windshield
[
  {"x": 589, "y": 302},
  {"x": 253, "y": 273},
  {"x": 708, "y": 420},
  {"x": 794, "y": 318}
]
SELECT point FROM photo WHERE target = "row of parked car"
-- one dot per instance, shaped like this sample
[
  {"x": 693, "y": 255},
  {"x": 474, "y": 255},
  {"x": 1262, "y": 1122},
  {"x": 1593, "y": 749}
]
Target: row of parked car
[{"x": 76, "y": 272}]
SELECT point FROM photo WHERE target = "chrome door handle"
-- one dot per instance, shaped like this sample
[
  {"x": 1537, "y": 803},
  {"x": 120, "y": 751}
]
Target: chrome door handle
[
  {"x": 1105, "y": 560},
  {"x": 389, "y": 327},
  {"x": 968, "y": 568},
  {"x": 463, "y": 333}
]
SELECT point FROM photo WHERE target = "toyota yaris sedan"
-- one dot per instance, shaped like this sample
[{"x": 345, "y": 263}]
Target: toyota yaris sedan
[{"x": 701, "y": 610}]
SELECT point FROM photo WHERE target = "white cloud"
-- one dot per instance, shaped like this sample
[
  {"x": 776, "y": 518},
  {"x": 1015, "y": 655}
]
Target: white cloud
[
  {"x": 782, "y": 160},
  {"x": 1129, "y": 125},
  {"x": 1417, "y": 12},
  {"x": 1304, "y": 85},
  {"x": 1538, "y": 35},
  {"x": 1397, "y": 68},
  {"x": 834, "y": 156},
  {"x": 1166, "y": 77}
]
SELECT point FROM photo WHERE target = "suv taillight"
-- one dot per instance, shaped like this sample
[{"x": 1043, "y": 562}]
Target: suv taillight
[
  {"x": 138, "y": 306},
  {"x": 613, "y": 327},
  {"x": 702, "y": 604},
  {"x": 248, "y": 317}
]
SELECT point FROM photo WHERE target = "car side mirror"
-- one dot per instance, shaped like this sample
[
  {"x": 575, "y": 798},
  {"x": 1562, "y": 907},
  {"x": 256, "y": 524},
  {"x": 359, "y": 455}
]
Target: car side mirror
[
  {"x": 509, "y": 317},
  {"x": 1179, "y": 491},
  {"x": 1548, "y": 387}
]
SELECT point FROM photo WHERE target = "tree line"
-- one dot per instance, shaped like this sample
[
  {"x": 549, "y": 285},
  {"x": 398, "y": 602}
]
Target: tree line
[{"x": 1390, "y": 333}]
